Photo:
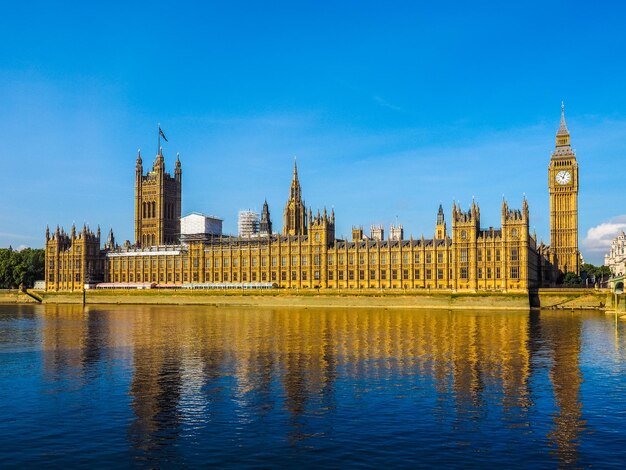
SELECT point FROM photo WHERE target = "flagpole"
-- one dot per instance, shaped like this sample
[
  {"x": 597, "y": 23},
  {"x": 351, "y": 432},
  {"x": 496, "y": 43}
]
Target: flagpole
[{"x": 159, "y": 137}]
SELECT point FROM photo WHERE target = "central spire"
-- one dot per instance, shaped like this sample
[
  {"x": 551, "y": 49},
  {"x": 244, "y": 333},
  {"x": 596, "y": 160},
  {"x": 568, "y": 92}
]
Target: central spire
[
  {"x": 440, "y": 216},
  {"x": 295, "y": 184},
  {"x": 295, "y": 212}
]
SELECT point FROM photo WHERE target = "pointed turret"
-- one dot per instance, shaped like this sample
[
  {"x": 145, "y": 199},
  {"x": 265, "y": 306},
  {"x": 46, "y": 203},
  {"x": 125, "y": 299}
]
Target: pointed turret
[
  {"x": 47, "y": 233},
  {"x": 562, "y": 135},
  {"x": 295, "y": 183},
  {"x": 110, "y": 240},
  {"x": 525, "y": 207},
  {"x": 159, "y": 164},
  {"x": 265, "y": 225},
  {"x": 178, "y": 171},
  {"x": 505, "y": 208},
  {"x": 440, "y": 228},
  {"x": 440, "y": 216}
]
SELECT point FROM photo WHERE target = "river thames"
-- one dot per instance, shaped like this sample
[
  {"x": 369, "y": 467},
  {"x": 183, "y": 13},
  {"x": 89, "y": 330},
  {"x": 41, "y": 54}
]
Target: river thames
[{"x": 163, "y": 387}]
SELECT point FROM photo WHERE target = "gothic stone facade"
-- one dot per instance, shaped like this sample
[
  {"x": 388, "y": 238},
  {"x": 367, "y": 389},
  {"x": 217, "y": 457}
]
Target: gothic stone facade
[
  {"x": 472, "y": 259},
  {"x": 73, "y": 259},
  {"x": 307, "y": 254}
]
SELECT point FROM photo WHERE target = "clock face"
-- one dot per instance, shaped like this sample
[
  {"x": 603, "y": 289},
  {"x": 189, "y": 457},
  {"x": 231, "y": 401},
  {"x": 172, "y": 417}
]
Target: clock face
[{"x": 563, "y": 177}]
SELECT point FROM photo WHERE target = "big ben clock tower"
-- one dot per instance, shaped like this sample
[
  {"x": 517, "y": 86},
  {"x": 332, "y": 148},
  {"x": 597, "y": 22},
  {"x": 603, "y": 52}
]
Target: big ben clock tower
[{"x": 563, "y": 184}]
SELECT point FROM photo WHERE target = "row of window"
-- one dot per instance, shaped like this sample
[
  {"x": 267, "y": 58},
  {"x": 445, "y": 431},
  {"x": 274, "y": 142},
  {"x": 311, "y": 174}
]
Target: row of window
[
  {"x": 225, "y": 277},
  {"x": 64, "y": 278},
  {"x": 303, "y": 260}
]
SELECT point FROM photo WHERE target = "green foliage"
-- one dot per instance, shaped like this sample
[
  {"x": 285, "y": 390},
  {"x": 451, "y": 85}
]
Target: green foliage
[
  {"x": 595, "y": 273},
  {"x": 572, "y": 280},
  {"x": 588, "y": 270},
  {"x": 20, "y": 267}
]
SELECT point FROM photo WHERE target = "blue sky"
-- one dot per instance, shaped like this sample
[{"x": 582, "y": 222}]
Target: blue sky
[{"x": 390, "y": 108}]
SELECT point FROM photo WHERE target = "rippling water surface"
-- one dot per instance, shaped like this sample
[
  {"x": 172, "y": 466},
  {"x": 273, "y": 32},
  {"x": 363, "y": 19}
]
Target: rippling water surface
[{"x": 154, "y": 387}]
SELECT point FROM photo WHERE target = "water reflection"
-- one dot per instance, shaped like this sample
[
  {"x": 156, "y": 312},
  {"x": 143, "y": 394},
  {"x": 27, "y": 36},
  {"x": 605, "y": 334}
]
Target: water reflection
[
  {"x": 563, "y": 334},
  {"x": 294, "y": 377}
]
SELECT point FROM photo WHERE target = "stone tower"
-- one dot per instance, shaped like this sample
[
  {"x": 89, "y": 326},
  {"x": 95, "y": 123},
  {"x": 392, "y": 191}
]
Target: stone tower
[
  {"x": 440, "y": 228},
  {"x": 465, "y": 231},
  {"x": 515, "y": 234},
  {"x": 563, "y": 185},
  {"x": 294, "y": 222},
  {"x": 322, "y": 228},
  {"x": 265, "y": 226},
  {"x": 157, "y": 203}
]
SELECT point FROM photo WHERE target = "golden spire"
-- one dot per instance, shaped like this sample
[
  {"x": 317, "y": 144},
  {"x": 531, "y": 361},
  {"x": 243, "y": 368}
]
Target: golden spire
[{"x": 562, "y": 135}]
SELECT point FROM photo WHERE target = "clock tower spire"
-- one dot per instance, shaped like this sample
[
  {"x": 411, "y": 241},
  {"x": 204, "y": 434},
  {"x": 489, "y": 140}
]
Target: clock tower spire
[{"x": 563, "y": 185}]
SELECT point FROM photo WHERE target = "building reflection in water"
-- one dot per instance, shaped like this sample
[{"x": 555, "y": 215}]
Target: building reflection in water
[
  {"x": 195, "y": 369},
  {"x": 563, "y": 334}
]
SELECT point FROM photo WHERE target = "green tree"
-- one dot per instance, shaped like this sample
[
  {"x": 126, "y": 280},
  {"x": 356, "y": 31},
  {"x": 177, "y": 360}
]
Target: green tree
[
  {"x": 572, "y": 280},
  {"x": 595, "y": 274},
  {"x": 20, "y": 267},
  {"x": 6, "y": 267},
  {"x": 588, "y": 270}
]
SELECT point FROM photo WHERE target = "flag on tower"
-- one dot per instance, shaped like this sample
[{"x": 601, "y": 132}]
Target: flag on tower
[{"x": 161, "y": 134}]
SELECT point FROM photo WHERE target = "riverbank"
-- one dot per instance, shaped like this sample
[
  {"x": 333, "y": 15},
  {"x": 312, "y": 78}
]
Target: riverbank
[
  {"x": 300, "y": 298},
  {"x": 418, "y": 298},
  {"x": 14, "y": 296},
  {"x": 564, "y": 298}
]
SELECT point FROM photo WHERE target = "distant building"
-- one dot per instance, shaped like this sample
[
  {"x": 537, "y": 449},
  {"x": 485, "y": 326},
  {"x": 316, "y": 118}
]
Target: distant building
[
  {"x": 265, "y": 226},
  {"x": 377, "y": 233},
  {"x": 357, "y": 234},
  {"x": 199, "y": 227},
  {"x": 616, "y": 258},
  {"x": 396, "y": 232},
  {"x": 440, "y": 228},
  {"x": 248, "y": 224}
]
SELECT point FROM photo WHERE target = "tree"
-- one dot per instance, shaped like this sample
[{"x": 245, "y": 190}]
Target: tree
[
  {"x": 595, "y": 274},
  {"x": 20, "y": 267},
  {"x": 588, "y": 270},
  {"x": 572, "y": 280}
]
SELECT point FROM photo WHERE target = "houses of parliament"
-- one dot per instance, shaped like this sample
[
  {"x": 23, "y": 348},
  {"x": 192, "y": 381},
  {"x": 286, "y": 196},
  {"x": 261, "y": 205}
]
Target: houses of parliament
[{"x": 460, "y": 256}]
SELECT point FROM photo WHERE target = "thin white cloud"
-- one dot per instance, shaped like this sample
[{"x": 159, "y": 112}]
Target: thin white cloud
[
  {"x": 598, "y": 239},
  {"x": 18, "y": 236},
  {"x": 386, "y": 104}
]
